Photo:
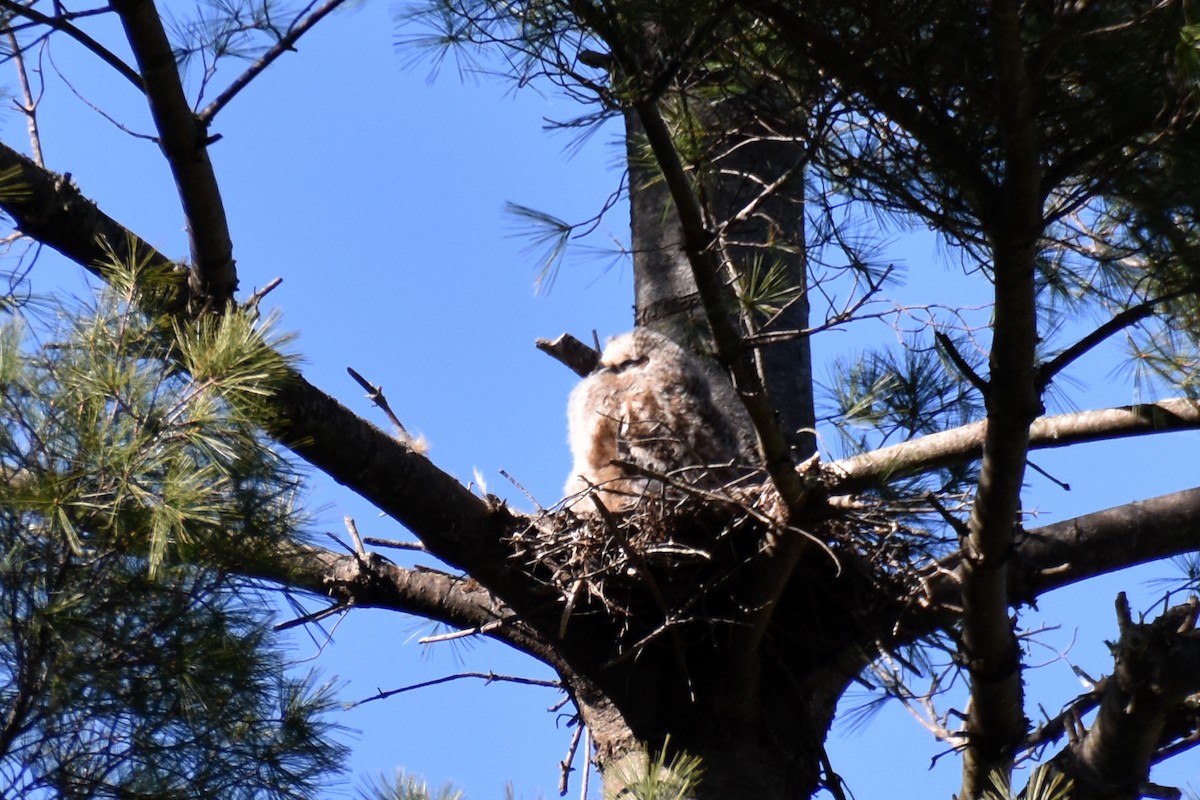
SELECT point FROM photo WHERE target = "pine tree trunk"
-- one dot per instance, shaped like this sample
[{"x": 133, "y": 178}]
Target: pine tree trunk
[{"x": 665, "y": 295}]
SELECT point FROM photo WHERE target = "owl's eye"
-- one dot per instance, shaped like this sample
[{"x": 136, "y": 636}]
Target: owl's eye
[{"x": 632, "y": 362}]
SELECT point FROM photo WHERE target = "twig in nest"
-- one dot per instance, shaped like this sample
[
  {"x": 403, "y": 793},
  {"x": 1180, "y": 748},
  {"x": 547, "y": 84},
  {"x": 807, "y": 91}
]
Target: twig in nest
[
  {"x": 721, "y": 497},
  {"x": 572, "y": 598},
  {"x": 652, "y": 586}
]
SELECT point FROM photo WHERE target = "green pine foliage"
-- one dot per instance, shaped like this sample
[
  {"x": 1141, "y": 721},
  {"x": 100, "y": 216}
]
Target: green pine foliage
[
  {"x": 658, "y": 776},
  {"x": 1045, "y": 783},
  {"x": 131, "y": 663},
  {"x": 404, "y": 786}
]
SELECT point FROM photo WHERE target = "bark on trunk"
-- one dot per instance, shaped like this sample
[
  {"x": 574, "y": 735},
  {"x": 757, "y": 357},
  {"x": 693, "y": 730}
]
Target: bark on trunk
[
  {"x": 771, "y": 751},
  {"x": 665, "y": 294}
]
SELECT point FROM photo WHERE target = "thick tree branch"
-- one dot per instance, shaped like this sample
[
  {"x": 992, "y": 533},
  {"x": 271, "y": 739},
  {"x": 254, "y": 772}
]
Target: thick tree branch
[
  {"x": 1064, "y": 553},
  {"x": 1012, "y": 220},
  {"x": 374, "y": 582},
  {"x": 184, "y": 142},
  {"x": 49, "y": 208},
  {"x": 965, "y": 443},
  {"x": 1157, "y": 668},
  {"x": 458, "y": 527}
]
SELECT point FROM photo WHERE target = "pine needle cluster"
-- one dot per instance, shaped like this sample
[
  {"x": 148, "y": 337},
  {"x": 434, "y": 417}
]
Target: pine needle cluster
[{"x": 132, "y": 664}]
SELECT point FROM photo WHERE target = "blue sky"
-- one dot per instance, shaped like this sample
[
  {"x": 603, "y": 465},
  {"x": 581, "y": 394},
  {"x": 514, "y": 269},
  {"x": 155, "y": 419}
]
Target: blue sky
[{"x": 379, "y": 199}]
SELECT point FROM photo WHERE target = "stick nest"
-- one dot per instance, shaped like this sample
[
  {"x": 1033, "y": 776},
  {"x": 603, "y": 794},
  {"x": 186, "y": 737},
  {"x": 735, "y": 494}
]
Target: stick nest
[{"x": 675, "y": 558}]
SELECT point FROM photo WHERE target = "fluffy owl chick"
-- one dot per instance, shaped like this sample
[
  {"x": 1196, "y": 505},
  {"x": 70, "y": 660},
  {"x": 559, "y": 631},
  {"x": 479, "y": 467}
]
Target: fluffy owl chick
[{"x": 648, "y": 403}]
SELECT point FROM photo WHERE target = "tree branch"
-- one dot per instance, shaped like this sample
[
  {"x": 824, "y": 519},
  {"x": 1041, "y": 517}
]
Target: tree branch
[
  {"x": 49, "y": 207},
  {"x": 1067, "y": 552},
  {"x": 572, "y": 353},
  {"x": 965, "y": 443},
  {"x": 285, "y": 44},
  {"x": 1012, "y": 219},
  {"x": 183, "y": 140},
  {"x": 91, "y": 45},
  {"x": 1157, "y": 666},
  {"x": 1130, "y": 316},
  {"x": 458, "y": 527},
  {"x": 374, "y": 582}
]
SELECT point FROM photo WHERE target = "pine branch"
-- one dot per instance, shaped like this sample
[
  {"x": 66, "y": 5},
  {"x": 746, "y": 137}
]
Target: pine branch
[
  {"x": 1012, "y": 219},
  {"x": 1157, "y": 667},
  {"x": 183, "y": 139},
  {"x": 935, "y": 131},
  {"x": 1123, "y": 320},
  {"x": 286, "y": 43},
  {"x": 377, "y": 583},
  {"x": 458, "y": 527},
  {"x": 964, "y": 444},
  {"x": 58, "y": 23},
  {"x": 1067, "y": 552}
]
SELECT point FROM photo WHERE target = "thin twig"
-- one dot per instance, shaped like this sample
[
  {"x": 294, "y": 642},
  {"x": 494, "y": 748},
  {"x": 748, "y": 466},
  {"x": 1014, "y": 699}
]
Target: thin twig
[
  {"x": 960, "y": 363},
  {"x": 257, "y": 297},
  {"x": 375, "y": 395},
  {"x": 1066, "y": 487},
  {"x": 565, "y": 764},
  {"x": 587, "y": 761},
  {"x": 461, "y": 634},
  {"x": 316, "y": 616},
  {"x": 394, "y": 544},
  {"x": 285, "y": 44},
  {"x": 522, "y": 490},
  {"x": 29, "y": 107},
  {"x": 116, "y": 123},
  {"x": 60, "y": 24},
  {"x": 1128, "y": 317},
  {"x": 487, "y": 677}
]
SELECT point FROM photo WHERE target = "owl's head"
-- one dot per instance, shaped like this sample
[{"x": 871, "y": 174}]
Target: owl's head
[{"x": 633, "y": 350}]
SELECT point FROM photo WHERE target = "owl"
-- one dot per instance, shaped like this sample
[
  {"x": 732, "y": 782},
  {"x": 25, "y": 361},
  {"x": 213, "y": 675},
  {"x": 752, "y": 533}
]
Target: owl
[{"x": 648, "y": 403}]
